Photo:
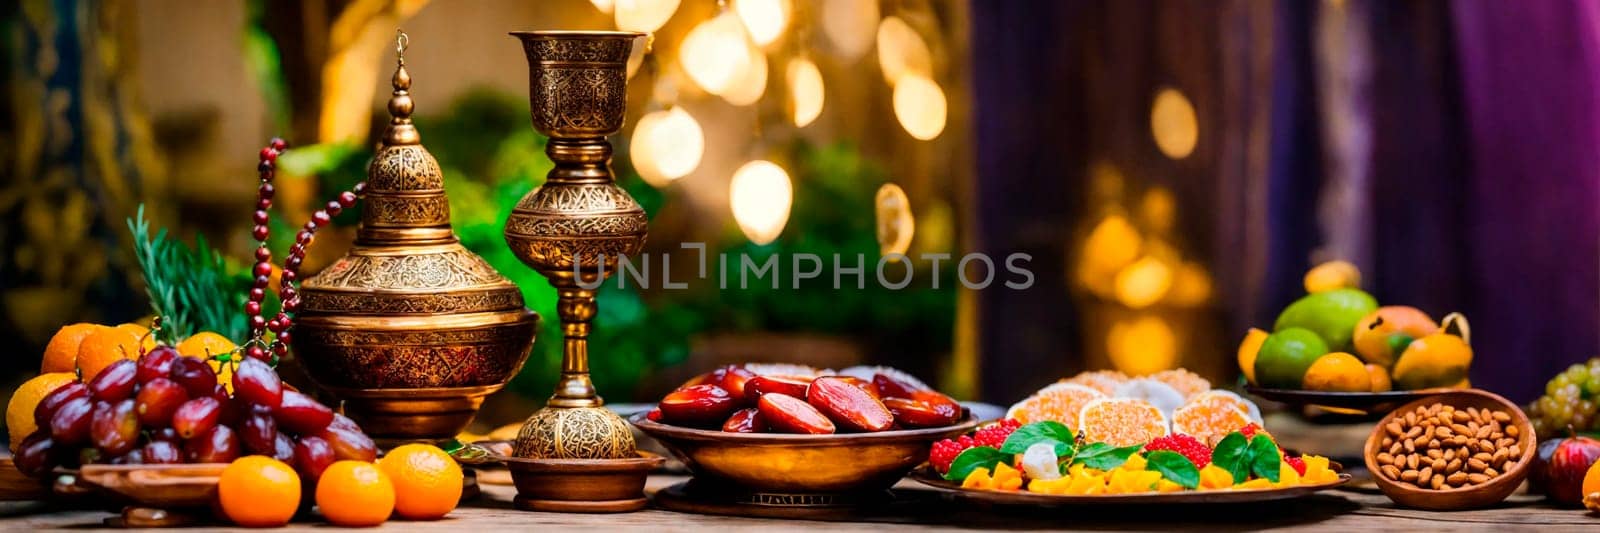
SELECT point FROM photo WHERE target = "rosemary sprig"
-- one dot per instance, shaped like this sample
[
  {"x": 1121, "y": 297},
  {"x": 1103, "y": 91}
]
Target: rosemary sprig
[{"x": 193, "y": 290}]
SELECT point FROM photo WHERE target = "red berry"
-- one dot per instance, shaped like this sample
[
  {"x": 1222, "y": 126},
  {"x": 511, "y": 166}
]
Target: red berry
[
  {"x": 347, "y": 199},
  {"x": 260, "y": 232},
  {"x": 945, "y": 451},
  {"x": 1190, "y": 447},
  {"x": 262, "y": 253},
  {"x": 268, "y": 154},
  {"x": 1249, "y": 430},
  {"x": 278, "y": 144},
  {"x": 995, "y": 435},
  {"x": 265, "y": 192},
  {"x": 1296, "y": 462}
]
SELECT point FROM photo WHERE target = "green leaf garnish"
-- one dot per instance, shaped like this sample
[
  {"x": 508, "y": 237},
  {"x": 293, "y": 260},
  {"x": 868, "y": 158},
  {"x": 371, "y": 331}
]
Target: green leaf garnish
[
  {"x": 972, "y": 458},
  {"x": 1056, "y": 433},
  {"x": 1102, "y": 456},
  {"x": 1173, "y": 466},
  {"x": 1233, "y": 454},
  {"x": 1264, "y": 458}
]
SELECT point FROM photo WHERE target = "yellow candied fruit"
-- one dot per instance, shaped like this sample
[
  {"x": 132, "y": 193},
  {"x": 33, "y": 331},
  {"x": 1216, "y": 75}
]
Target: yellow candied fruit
[
  {"x": 1287, "y": 477},
  {"x": 1136, "y": 462},
  {"x": 1132, "y": 481},
  {"x": 1085, "y": 481},
  {"x": 1166, "y": 485},
  {"x": 1257, "y": 483},
  {"x": 978, "y": 479},
  {"x": 1318, "y": 470},
  {"x": 1213, "y": 477},
  {"x": 1050, "y": 486},
  {"x": 1007, "y": 478}
]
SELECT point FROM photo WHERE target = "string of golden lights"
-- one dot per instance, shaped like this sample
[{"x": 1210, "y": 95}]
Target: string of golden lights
[{"x": 726, "y": 55}]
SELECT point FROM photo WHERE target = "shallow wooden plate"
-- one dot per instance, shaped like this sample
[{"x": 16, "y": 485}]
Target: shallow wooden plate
[
  {"x": 926, "y": 476},
  {"x": 179, "y": 485},
  {"x": 1368, "y": 402}
]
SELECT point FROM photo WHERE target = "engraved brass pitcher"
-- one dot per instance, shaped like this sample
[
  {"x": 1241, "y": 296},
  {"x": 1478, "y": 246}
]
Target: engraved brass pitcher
[
  {"x": 576, "y": 223},
  {"x": 410, "y": 329}
]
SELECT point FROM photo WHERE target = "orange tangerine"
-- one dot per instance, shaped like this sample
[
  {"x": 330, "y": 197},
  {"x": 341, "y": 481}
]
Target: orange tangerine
[
  {"x": 1188, "y": 383},
  {"x": 147, "y": 341},
  {"x": 19, "y": 411},
  {"x": 61, "y": 354},
  {"x": 1121, "y": 421},
  {"x": 427, "y": 481},
  {"x": 1059, "y": 402},
  {"x": 259, "y": 491},
  {"x": 355, "y": 494},
  {"x": 103, "y": 347},
  {"x": 1209, "y": 421},
  {"x": 1104, "y": 381}
]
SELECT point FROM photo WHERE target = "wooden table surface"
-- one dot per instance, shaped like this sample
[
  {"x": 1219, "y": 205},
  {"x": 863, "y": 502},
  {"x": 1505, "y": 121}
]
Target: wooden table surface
[{"x": 1341, "y": 510}]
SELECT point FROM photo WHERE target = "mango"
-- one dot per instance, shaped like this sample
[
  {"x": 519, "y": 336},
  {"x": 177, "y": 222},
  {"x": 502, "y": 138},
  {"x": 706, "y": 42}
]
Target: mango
[
  {"x": 1381, "y": 335},
  {"x": 1437, "y": 360},
  {"x": 1332, "y": 315}
]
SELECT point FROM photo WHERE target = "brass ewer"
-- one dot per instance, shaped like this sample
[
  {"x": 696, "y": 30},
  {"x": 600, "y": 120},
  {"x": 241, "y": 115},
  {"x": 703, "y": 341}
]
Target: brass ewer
[
  {"x": 573, "y": 228},
  {"x": 410, "y": 329}
]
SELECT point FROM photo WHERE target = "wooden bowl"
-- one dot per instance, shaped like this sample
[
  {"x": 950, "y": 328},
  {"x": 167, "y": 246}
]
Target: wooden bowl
[
  {"x": 768, "y": 462},
  {"x": 581, "y": 485},
  {"x": 165, "y": 486},
  {"x": 1473, "y": 497}
]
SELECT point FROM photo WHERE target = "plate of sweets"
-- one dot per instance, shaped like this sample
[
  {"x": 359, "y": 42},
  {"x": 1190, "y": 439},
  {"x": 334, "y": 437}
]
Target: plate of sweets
[
  {"x": 1104, "y": 438},
  {"x": 1337, "y": 348}
]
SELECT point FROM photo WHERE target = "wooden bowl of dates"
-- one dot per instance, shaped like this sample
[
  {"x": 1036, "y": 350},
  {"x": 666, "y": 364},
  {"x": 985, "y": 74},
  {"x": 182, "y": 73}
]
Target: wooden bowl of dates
[
  {"x": 776, "y": 462},
  {"x": 1485, "y": 450}
]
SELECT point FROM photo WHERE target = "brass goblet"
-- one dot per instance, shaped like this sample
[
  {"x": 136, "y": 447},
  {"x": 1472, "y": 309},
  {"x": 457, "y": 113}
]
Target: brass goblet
[{"x": 573, "y": 228}]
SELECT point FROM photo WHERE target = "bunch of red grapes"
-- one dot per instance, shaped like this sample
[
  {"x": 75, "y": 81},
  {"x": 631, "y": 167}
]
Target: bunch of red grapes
[{"x": 168, "y": 408}]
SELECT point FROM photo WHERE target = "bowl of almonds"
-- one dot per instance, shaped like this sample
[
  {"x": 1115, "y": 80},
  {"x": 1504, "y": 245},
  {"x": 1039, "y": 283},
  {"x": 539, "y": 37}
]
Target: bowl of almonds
[{"x": 1457, "y": 450}]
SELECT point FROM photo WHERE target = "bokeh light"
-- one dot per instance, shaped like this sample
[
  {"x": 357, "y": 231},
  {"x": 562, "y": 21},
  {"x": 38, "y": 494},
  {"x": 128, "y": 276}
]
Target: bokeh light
[
  {"x": 901, "y": 51},
  {"x": 752, "y": 82},
  {"x": 666, "y": 145},
  {"x": 761, "y": 195},
  {"x": 1143, "y": 283},
  {"x": 1191, "y": 287},
  {"x": 920, "y": 105},
  {"x": 805, "y": 91},
  {"x": 896, "y": 226},
  {"x": 1174, "y": 124},
  {"x": 765, "y": 19},
  {"x": 1158, "y": 209},
  {"x": 641, "y": 15},
  {"x": 849, "y": 26},
  {"x": 605, "y": 6},
  {"x": 716, "y": 53},
  {"x": 1142, "y": 346}
]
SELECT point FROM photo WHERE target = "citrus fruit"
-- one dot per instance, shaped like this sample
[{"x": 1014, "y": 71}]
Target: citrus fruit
[
  {"x": 1248, "y": 348},
  {"x": 1332, "y": 315},
  {"x": 1332, "y": 275},
  {"x": 206, "y": 344},
  {"x": 1591, "y": 480},
  {"x": 1059, "y": 402},
  {"x": 1105, "y": 381},
  {"x": 147, "y": 341},
  {"x": 355, "y": 494},
  {"x": 427, "y": 481},
  {"x": 1209, "y": 421},
  {"x": 1222, "y": 397},
  {"x": 1337, "y": 372},
  {"x": 1121, "y": 421},
  {"x": 1437, "y": 360},
  {"x": 1185, "y": 382},
  {"x": 1456, "y": 324},
  {"x": 1285, "y": 356},
  {"x": 61, "y": 354},
  {"x": 103, "y": 347},
  {"x": 1159, "y": 394},
  {"x": 19, "y": 411},
  {"x": 1378, "y": 378},
  {"x": 258, "y": 491},
  {"x": 1385, "y": 332}
]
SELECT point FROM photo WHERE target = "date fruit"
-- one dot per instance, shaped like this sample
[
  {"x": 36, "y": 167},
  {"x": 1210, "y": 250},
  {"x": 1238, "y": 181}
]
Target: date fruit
[
  {"x": 889, "y": 387},
  {"x": 788, "y": 414},
  {"x": 34, "y": 457},
  {"x": 747, "y": 420},
  {"x": 156, "y": 363},
  {"x": 47, "y": 407},
  {"x": 301, "y": 414},
  {"x": 197, "y": 377},
  {"x": 734, "y": 380},
  {"x": 158, "y": 400},
  {"x": 863, "y": 385},
  {"x": 196, "y": 416},
  {"x": 215, "y": 445},
  {"x": 921, "y": 414},
  {"x": 791, "y": 385},
  {"x": 257, "y": 383},
  {"x": 698, "y": 406},
  {"x": 115, "y": 428},
  {"x": 847, "y": 405},
  {"x": 69, "y": 426},
  {"x": 162, "y": 452},
  {"x": 312, "y": 455}
]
